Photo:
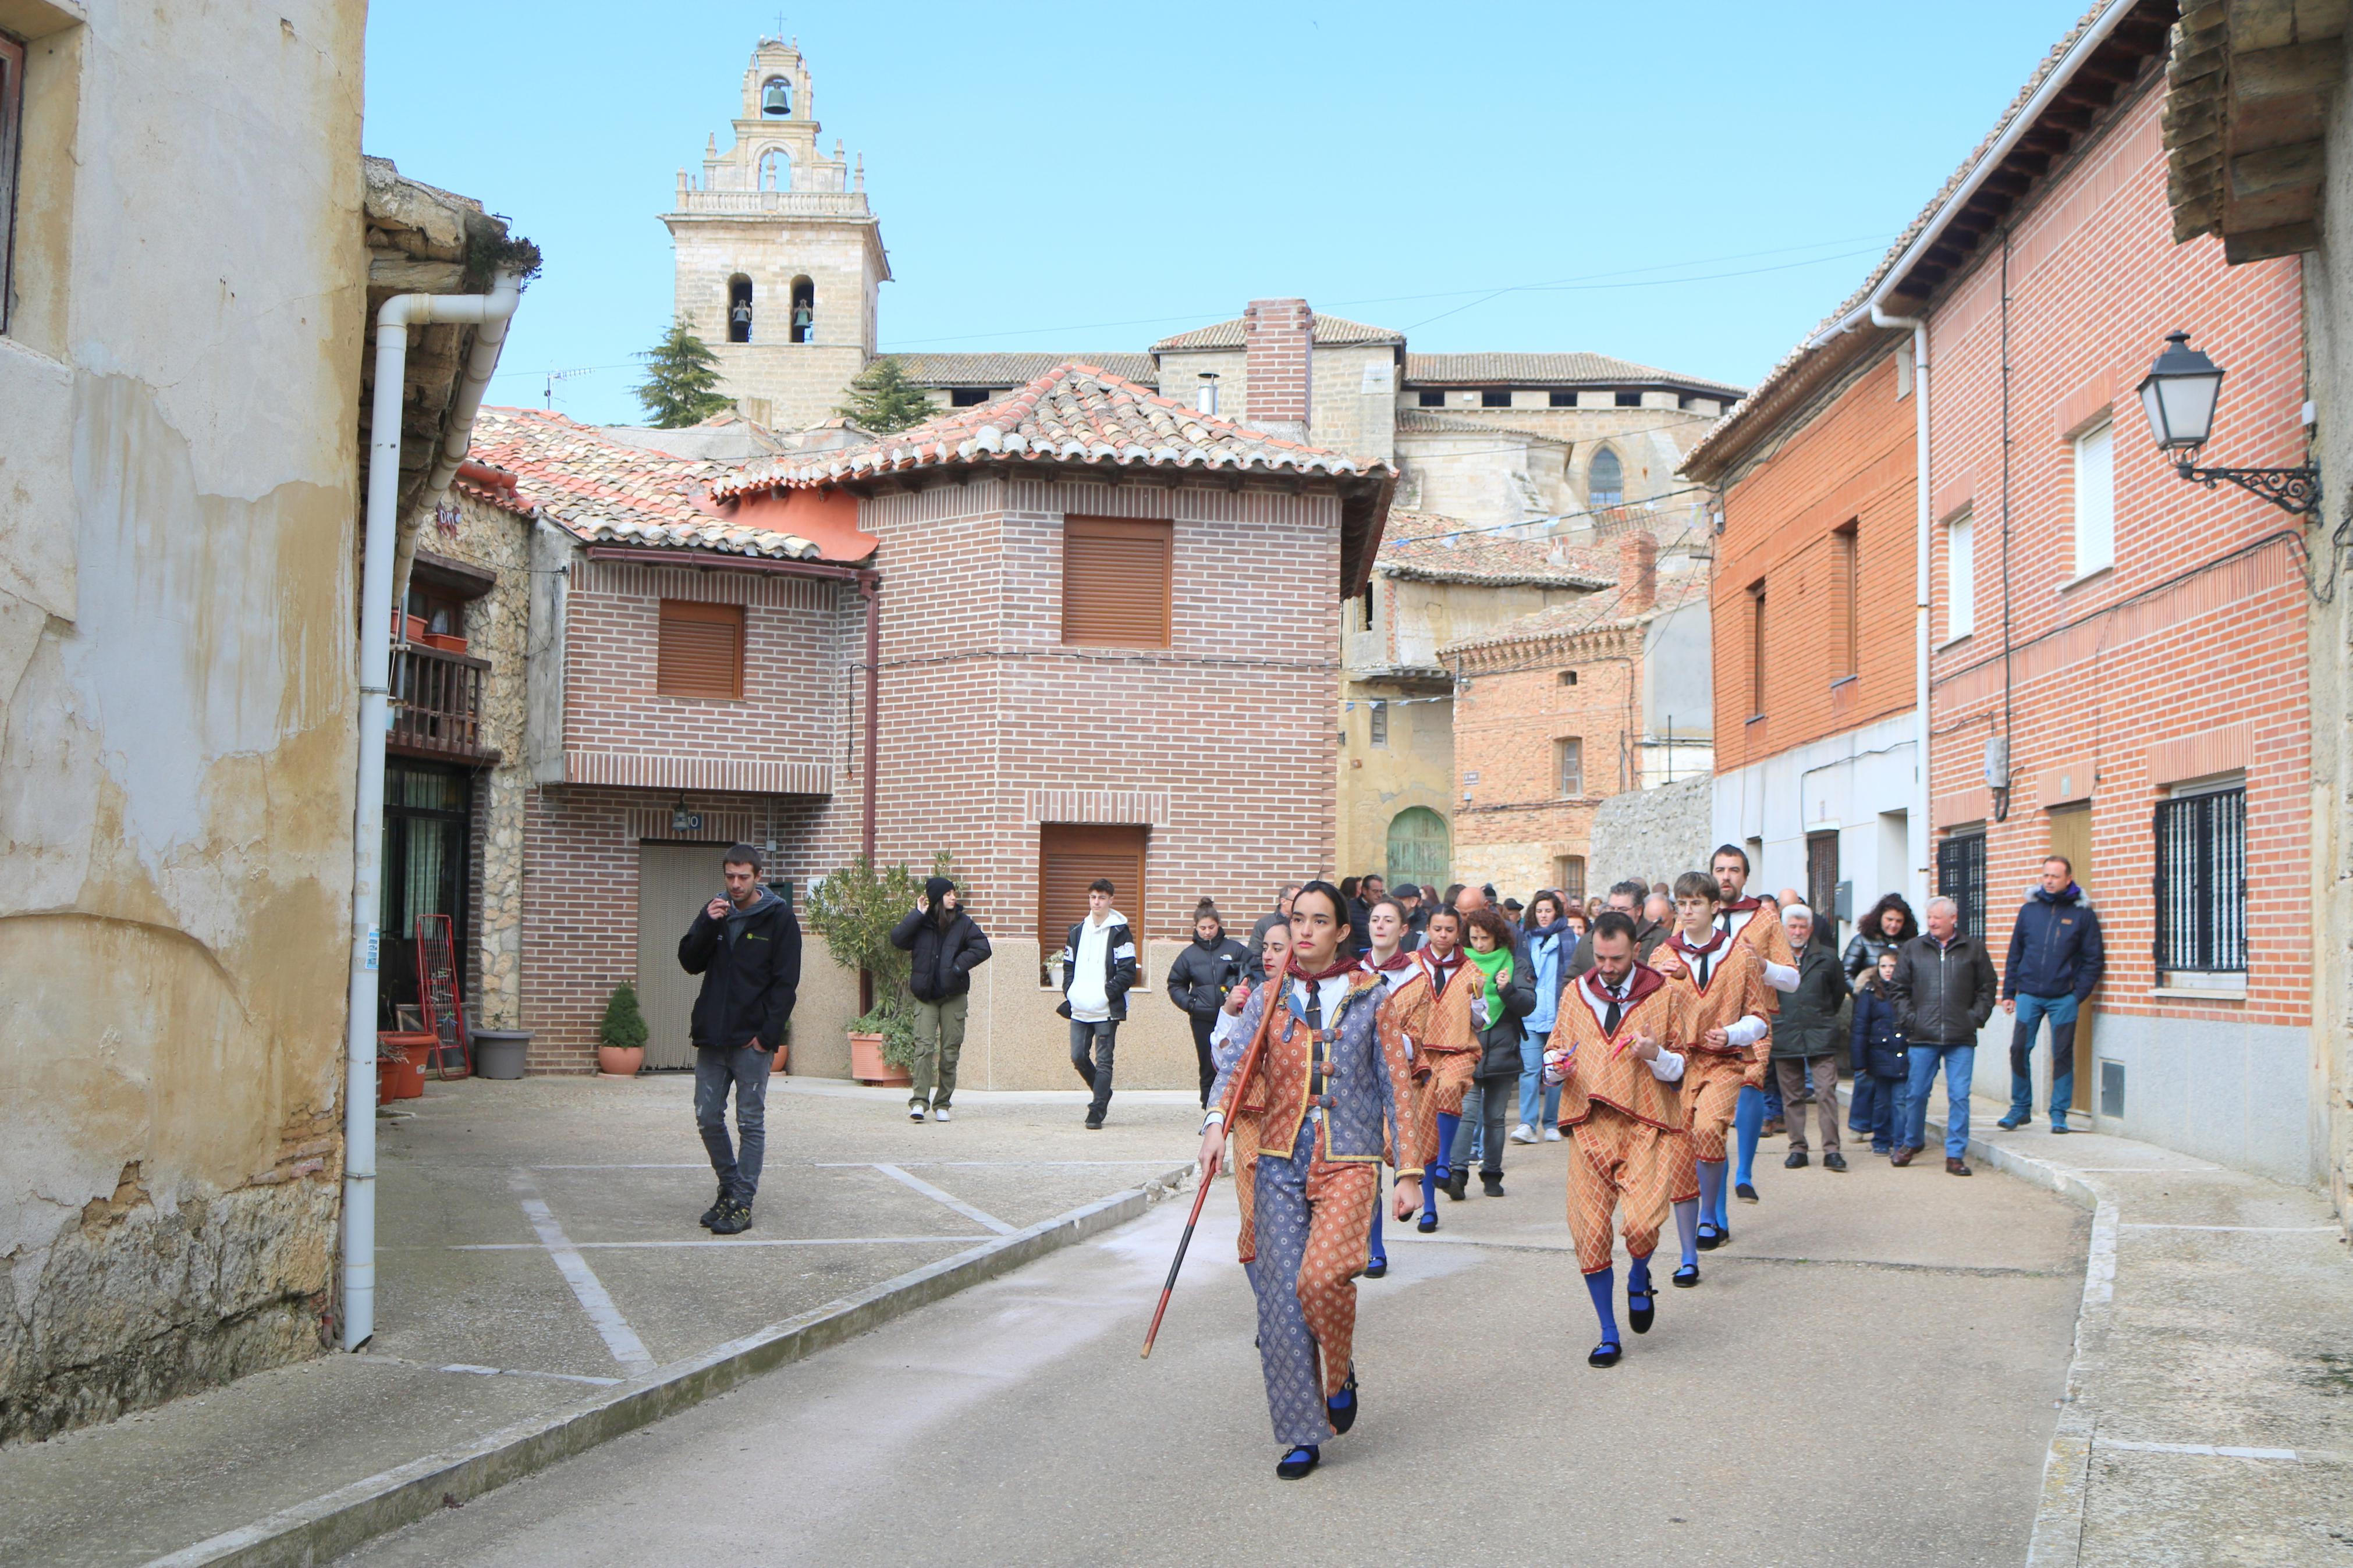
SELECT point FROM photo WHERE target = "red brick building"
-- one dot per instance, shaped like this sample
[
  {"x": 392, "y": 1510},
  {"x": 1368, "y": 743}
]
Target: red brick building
[
  {"x": 1108, "y": 629},
  {"x": 2118, "y": 667}
]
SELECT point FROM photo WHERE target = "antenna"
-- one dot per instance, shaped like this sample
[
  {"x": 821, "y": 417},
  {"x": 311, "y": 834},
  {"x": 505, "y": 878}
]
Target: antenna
[{"x": 555, "y": 375}]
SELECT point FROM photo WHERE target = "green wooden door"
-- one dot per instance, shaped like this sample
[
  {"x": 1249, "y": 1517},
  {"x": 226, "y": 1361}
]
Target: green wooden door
[{"x": 1420, "y": 849}]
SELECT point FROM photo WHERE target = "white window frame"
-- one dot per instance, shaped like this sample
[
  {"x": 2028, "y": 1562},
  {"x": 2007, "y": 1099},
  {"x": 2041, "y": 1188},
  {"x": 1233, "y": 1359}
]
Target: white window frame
[
  {"x": 2096, "y": 498},
  {"x": 1960, "y": 576}
]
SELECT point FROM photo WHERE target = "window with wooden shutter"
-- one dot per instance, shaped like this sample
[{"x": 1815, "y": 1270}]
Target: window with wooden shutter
[
  {"x": 1072, "y": 854},
  {"x": 701, "y": 650},
  {"x": 1116, "y": 577}
]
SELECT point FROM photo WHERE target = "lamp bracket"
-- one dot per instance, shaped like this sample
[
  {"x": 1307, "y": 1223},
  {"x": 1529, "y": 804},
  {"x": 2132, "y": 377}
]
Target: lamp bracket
[{"x": 2290, "y": 489}]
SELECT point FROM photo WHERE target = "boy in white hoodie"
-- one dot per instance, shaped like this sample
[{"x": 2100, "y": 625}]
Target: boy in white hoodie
[{"x": 1098, "y": 967}]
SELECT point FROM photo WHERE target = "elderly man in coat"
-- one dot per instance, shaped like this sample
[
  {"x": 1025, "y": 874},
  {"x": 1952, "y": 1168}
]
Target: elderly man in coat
[{"x": 1805, "y": 1039}]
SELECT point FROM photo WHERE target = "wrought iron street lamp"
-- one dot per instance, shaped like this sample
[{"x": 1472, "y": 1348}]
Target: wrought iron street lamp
[{"x": 2179, "y": 394}]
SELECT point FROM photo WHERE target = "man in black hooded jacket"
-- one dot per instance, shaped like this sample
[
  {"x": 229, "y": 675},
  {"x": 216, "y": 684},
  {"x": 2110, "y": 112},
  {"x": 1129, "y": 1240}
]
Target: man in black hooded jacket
[
  {"x": 1200, "y": 978},
  {"x": 947, "y": 947},
  {"x": 748, "y": 947}
]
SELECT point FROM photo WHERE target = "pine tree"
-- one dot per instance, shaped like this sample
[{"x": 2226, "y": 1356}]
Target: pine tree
[
  {"x": 882, "y": 399},
  {"x": 623, "y": 1026},
  {"x": 681, "y": 380}
]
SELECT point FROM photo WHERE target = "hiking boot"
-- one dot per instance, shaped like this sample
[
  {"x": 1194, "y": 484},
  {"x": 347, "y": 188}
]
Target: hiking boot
[
  {"x": 718, "y": 1206},
  {"x": 733, "y": 1220}
]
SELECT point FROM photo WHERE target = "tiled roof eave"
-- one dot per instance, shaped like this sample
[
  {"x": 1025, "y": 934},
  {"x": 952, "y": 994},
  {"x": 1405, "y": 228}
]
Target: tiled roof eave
[{"x": 1416, "y": 571}]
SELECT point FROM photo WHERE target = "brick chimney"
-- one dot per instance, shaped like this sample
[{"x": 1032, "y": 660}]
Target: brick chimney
[
  {"x": 1278, "y": 337},
  {"x": 1638, "y": 572}
]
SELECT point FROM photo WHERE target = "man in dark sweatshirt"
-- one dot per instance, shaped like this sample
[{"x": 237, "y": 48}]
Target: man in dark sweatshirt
[
  {"x": 2056, "y": 958},
  {"x": 748, "y": 947}
]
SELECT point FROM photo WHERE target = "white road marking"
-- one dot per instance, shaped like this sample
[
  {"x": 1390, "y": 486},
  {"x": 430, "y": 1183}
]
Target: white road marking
[
  {"x": 2203, "y": 1451},
  {"x": 976, "y": 1215},
  {"x": 2247, "y": 1229},
  {"x": 1010, "y": 1164},
  {"x": 2137, "y": 1170},
  {"x": 713, "y": 1241},
  {"x": 614, "y": 1328}
]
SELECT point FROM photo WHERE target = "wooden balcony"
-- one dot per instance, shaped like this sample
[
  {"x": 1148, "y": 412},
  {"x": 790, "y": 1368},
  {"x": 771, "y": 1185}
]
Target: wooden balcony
[{"x": 437, "y": 705}]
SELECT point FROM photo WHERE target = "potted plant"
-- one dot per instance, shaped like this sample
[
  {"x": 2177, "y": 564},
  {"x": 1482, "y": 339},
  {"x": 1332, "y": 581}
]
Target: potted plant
[
  {"x": 621, "y": 1035},
  {"x": 854, "y": 910}
]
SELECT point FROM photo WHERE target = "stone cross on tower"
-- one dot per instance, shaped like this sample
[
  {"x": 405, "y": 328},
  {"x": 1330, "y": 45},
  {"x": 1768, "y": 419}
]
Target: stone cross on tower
[{"x": 779, "y": 261}]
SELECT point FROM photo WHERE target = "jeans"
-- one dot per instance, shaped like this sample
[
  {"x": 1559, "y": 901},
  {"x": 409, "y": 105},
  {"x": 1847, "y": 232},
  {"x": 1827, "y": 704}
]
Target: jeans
[
  {"x": 747, "y": 1070},
  {"x": 1960, "y": 1065},
  {"x": 1876, "y": 1110},
  {"x": 1202, "y": 1024},
  {"x": 1096, "y": 1040},
  {"x": 1539, "y": 1105},
  {"x": 2032, "y": 1011},
  {"x": 1486, "y": 1106},
  {"x": 939, "y": 1040}
]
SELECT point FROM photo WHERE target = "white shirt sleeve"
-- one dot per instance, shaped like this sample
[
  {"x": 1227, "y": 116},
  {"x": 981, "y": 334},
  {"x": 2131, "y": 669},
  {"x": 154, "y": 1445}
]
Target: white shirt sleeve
[
  {"x": 1747, "y": 1032},
  {"x": 1667, "y": 1065},
  {"x": 1223, "y": 1029},
  {"x": 1781, "y": 977}
]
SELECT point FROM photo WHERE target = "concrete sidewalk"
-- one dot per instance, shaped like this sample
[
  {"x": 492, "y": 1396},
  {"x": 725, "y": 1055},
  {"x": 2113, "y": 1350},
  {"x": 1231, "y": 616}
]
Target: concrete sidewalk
[{"x": 544, "y": 1285}]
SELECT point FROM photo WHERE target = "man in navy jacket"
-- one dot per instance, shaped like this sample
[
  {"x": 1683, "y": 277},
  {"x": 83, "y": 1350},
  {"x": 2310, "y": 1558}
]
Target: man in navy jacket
[
  {"x": 2055, "y": 959},
  {"x": 748, "y": 947}
]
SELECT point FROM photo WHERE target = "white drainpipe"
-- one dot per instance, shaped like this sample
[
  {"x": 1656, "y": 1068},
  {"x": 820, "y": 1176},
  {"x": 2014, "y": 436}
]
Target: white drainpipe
[
  {"x": 490, "y": 313},
  {"x": 1917, "y": 835}
]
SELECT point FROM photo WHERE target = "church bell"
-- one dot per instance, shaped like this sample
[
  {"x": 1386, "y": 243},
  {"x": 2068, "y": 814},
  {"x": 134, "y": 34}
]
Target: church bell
[{"x": 776, "y": 98}]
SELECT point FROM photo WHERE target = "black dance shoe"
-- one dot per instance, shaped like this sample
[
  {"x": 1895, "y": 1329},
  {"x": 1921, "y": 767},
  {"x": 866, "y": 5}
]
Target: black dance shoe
[{"x": 1297, "y": 1462}]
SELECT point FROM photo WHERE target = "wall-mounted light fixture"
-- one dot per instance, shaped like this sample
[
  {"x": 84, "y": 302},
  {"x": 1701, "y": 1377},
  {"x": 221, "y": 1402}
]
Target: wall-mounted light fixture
[{"x": 2179, "y": 394}]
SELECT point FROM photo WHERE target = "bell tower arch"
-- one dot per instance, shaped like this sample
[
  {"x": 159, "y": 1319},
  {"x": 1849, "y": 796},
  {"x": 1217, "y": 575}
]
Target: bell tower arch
[{"x": 778, "y": 260}]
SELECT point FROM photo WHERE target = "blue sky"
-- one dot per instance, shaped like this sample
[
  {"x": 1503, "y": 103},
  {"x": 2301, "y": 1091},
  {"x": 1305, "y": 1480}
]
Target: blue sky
[{"x": 1689, "y": 185}]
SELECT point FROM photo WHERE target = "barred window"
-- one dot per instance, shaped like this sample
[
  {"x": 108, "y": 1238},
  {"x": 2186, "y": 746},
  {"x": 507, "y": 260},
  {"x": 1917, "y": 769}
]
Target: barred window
[
  {"x": 2201, "y": 882},
  {"x": 1960, "y": 877},
  {"x": 1380, "y": 723}
]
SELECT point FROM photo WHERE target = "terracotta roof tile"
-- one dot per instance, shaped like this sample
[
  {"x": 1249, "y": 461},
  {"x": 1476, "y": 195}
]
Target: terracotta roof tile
[
  {"x": 1575, "y": 368},
  {"x": 606, "y": 493},
  {"x": 1328, "y": 329},
  {"x": 1073, "y": 412},
  {"x": 1016, "y": 369},
  {"x": 1427, "y": 547},
  {"x": 1597, "y": 612}
]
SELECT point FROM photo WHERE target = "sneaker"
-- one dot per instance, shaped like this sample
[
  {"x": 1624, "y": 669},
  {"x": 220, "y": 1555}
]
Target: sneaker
[
  {"x": 1094, "y": 1120},
  {"x": 734, "y": 1220},
  {"x": 939, "y": 1113},
  {"x": 718, "y": 1206},
  {"x": 1523, "y": 1133},
  {"x": 914, "y": 1113},
  {"x": 1552, "y": 1135},
  {"x": 2061, "y": 1127},
  {"x": 2012, "y": 1122}
]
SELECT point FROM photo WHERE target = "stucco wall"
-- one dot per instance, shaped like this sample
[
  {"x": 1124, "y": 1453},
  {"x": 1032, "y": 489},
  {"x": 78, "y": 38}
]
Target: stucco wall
[{"x": 176, "y": 549}]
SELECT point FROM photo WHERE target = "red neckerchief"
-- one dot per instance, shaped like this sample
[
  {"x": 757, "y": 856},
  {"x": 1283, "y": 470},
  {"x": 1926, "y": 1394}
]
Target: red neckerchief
[
  {"x": 1640, "y": 981},
  {"x": 1716, "y": 939},
  {"x": 1446, "y": 967},
  {"x": 1339, "y": 966},
  {"x": 1398, "y": 961},
  {"x": 1748, "y": 905}
]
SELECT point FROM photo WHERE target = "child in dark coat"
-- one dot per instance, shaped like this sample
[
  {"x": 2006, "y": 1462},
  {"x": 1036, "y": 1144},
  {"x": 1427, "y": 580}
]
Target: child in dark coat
[{"x": 1882, "y": 1062}]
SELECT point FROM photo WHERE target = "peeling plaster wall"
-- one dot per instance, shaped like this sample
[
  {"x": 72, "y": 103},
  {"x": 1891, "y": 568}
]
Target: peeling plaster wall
[{"x": 177, "y": 467}]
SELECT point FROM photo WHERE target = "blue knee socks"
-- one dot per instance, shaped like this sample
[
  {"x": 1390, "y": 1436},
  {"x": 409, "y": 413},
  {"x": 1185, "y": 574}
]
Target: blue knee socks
[
  {"x": 1603, "y": 1288},
  {"x": 1748, "y": 1122},
  {"x": 1687, "y": 1230},
  {"x": 1448, "y": 1126},
  {"x": 1638, "y": 1279},
  {"x": 1710, "y": 1194},
  {"x": 1376, "y": 1254}
]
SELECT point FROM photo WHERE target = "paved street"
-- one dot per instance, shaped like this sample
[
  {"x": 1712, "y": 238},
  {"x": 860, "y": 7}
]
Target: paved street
[{"x": 1867, "y": 1376}]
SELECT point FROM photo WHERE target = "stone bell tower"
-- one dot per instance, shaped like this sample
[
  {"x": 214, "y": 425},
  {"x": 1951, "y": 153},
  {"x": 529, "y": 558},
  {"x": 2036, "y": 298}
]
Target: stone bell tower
[{"x": 779, "y": 260}]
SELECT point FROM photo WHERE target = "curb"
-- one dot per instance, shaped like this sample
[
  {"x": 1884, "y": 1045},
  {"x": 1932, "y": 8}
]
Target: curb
[
  {"x": 2058, "y": 1538},
  {"x": 327, "y": 1527}
]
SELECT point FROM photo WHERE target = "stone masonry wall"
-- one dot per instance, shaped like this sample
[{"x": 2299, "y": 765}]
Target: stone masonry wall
[{"x": 1655, "y": 834}]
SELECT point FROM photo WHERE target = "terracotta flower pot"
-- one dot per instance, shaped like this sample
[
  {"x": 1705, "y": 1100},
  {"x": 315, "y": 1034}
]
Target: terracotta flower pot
[
  {"x": 781, "y": 1055},
  {"x": 400, "y": 1079},
  {"x": 865, "y": 1063},
  {"x": 620, "y": 1061}
]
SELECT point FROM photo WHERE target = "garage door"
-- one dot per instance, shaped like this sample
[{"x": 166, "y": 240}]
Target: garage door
[{"x": 674, "y": 881}]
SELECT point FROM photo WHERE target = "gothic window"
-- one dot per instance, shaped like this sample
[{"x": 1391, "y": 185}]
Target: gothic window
[
  {"x": 803, "y": 310},
  {"x": 1605, "y": 481},
  {"x": 775, "y": 170},
  {"x": 776, "y": 97},
  {"x": 739, "y": 309}
]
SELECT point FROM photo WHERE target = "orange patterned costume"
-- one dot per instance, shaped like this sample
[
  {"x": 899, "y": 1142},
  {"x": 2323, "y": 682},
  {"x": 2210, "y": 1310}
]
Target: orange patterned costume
[
  {"x": 1433, "y": 1009},
  {"x": 1622, "y": 1119},
  {"x": 1756, "y": 924},
  {"x": 1734, "y": 990}
]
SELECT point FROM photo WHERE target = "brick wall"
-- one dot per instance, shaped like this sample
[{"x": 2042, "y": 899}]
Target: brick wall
[
  {"x": 1276, "y": 334},
  {"x": 1850, "y": 465},
  {"x": 1511, "y": 711},
  {"x": 2190, "y": 652}
]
